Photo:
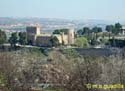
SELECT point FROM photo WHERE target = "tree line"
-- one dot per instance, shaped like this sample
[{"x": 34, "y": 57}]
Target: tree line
[
  {"x": 115, "y": 29},
  {"x": 92, "y": 35}
]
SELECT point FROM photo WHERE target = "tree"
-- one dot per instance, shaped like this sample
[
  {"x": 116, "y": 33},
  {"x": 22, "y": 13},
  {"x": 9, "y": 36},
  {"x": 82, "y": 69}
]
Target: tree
[
  {"x": 59, "y": 31},
  {"x": 13, "y": 39},
  {"x": 110, "y": 29},
  {"x": 80, "y": 32},
  {"x": 81, "y": 42},
  {"x": 7, "y": 72},
  {"x": 17, "y": 72},
  {"x": 86, "y": 30},
  {"x": 54, "y": 41},
  {"x": 73, "y": 74},
  {"x": 118, "y": 27},
  {"x": 83, "y": 31},
  {"x": 99, "y": 29},
  {"x": 22, "y": 38},
  {"x": 56, "y": 32},
  {"x": 3, "y": 37},
  {"x": 96, "y": 29}
]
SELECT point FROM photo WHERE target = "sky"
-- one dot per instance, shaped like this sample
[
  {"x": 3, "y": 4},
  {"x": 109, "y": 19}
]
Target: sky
[{"x": 66, "y": 9}]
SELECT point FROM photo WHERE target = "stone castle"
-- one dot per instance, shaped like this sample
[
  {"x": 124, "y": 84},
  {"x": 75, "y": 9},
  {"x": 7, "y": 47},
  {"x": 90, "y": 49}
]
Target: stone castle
[{"x": 40, "y": 39}]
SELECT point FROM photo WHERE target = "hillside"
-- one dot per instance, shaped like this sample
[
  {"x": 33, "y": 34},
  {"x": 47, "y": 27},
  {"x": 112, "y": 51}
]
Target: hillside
[{"x": 58, "y": 70}]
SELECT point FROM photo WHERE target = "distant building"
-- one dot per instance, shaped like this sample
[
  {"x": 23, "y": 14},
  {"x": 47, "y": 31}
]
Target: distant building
[{"x": 36, "y": 38}]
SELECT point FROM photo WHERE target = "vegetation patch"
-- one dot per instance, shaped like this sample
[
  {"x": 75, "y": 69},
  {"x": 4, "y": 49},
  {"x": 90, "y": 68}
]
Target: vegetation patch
[{"x": 70, "y": 53}]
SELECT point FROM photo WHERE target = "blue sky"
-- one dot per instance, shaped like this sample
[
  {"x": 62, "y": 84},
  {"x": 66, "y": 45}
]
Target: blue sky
[{"x": 68, "y": 9}]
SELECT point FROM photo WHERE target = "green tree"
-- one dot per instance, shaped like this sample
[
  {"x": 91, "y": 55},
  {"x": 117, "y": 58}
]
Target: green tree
[
  {"x": 118, "y": 27},
  {"x": 13, "y": 39},
  {"x": 81, "y": 42},
  {"x": 59, "y": 31},
  {"x": 99, "y": 29},
  {"x": 96, "y": 30},
  {"x": 56, "y": 32},
  {"x": 80, "y": 32},
  {"x": 22, "y": 38},
  {"x": 110, "y": 29},
  {"x": 86, "y": 30},
  {"x": 54, "y": 41},
  {"x": 3, "y": 37}
]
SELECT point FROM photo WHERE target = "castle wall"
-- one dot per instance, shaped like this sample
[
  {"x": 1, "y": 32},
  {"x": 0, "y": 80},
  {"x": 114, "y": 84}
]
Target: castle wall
[
  {"x": 65, "y": 39},
  {"x": 32, "y": 38},
  {"x": 43, "y": 41},
  {"x": 62, "y": 38}
]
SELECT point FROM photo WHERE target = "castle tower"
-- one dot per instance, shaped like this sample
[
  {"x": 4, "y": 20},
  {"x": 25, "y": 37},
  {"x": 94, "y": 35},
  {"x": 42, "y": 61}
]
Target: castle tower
[
  {"x": 71, "y": 36},
  {"x": 32, "y": 33},
  {"x": 33, "y": 30}
]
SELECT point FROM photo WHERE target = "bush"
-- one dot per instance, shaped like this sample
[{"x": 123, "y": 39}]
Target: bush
[
  {"x": 81, "y": 42},
  {"x": 106, "y": 41},
  {"x": 70, "y": 53}
]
